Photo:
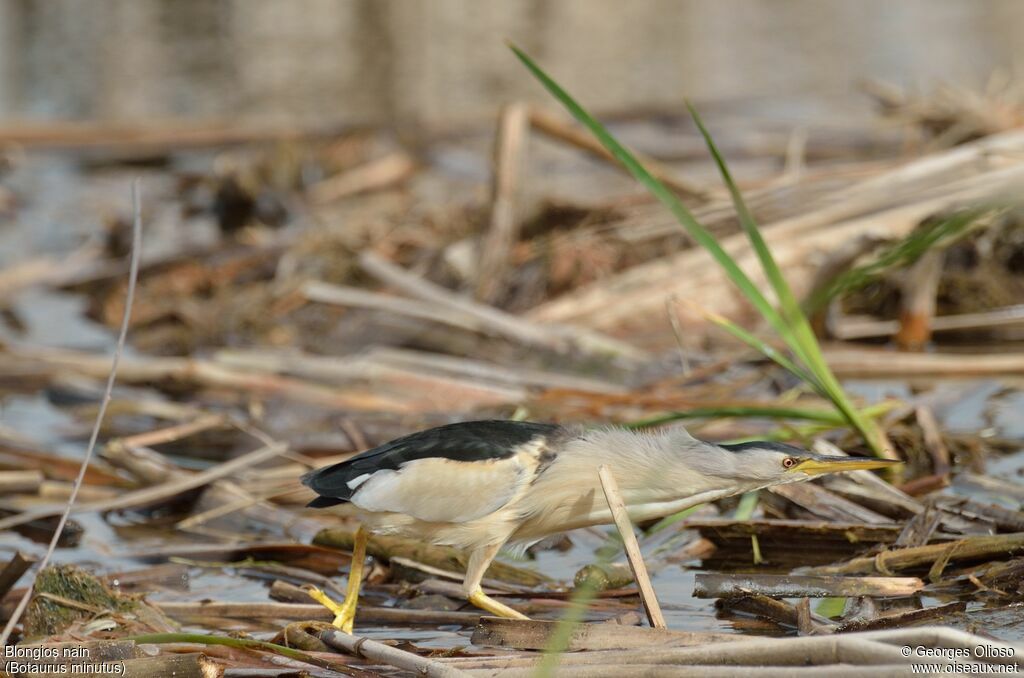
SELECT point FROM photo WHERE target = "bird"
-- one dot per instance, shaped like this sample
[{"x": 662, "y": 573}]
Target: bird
[{"x": 479, "y": 485}]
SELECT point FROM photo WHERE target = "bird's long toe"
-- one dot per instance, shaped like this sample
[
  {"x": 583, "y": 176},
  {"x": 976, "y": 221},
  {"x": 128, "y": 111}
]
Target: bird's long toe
[
  {"x": 344, "y": 614},
  {"x": 346, "y": 619},
  {"x": 485, "y": 602}
]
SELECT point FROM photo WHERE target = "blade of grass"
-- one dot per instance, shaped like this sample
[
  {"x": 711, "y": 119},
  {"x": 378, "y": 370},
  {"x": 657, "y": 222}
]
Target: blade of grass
[
  {"x": 663, "y": 194},
  {"x": 791, "y": 325},
  {"x": 831, "y": 607},
  {"x": 133, "y": 277},
  {"x": 801, "y": 339},
  {"x": 744, "y": 511},
  {"x": 787, "y": 301},
  {"x": 671, "y": 520},
  {"x": 906, "y": 251},
  {"x": 823, "y": 381},
  {"x": 764, "y": 348},
  {"x": 579, "y": 602}
]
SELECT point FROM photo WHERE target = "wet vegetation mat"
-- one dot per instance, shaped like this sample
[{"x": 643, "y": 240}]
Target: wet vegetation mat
[{"x": 304, "y": 296}]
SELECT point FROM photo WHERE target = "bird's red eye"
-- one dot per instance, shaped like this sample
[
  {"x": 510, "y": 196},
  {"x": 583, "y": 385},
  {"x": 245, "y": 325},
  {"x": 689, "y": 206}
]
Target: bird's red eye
[{"x": 788, "y": 462}]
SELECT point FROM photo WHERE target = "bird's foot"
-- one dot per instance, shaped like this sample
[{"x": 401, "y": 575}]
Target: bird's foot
[
  {"x": 485, "y": 602},
  {"x": 344, "y": 614}
]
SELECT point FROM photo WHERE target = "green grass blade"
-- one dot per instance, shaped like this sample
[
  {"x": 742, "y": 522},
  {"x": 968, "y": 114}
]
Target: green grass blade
[
  {"x": 747, "y": 505},
  {"x": 767, "y": 349},
  {"x": 662, "y": 193},
  {"x": 790, "y": 324},
  {"x": 831, "y": 607},
  {"x": 744, "y": 511},
  {"x": 579, "y": 602},
  {"x": 800, "y": 339},
  {"x": 905, "y": 252},
  {"x": 668, "y": 521},
  {"x": 787, "y": 301}
]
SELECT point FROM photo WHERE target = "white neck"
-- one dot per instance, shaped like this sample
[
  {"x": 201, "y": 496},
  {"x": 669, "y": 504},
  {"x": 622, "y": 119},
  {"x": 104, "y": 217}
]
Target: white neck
[
  {"x": 602, "y": 515},
  {"x": 658, "y": 475}
]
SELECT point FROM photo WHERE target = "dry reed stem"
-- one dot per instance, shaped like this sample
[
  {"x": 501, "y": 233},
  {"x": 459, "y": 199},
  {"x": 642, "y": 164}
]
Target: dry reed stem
[
  {"x": 503, "y": 231},
  {"x": 133, "y": 275},
  {"x": 12, "y": 482},
  {"x": 636, "y": 559},
  {"x": 555, "y": 128},
  {"x": 917, "y": 309},
  {"x": 857, "y": 328},
  {"x": 559, "y": 338},
  {"x": 376, "y": 174},
  {"x": 715, "y": 585},
  {"x": 149, "y": 495},
  {"x": 385, "y": 654},
  {"x": 864, "y": 362}
]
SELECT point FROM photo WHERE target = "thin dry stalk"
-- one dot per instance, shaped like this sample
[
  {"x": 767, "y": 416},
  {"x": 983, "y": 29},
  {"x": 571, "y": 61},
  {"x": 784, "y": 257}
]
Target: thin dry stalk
[
  {"x": 636, "y": 559},
  {"x": 517, "y": 375},
  {"x": 20, "y": 481},
  {"x": 713, "y": 585},
  {"x": 672, "y": 311},
  {"x": 920, "y": 286},
  {"x": 149, "y": 495},
  {"x": 503, "y": 232},
  {"x": 204, "y": 373},
  {"x": 240, "y": 504},
  {"x": 12, "y": 571},
  {"x": 306, "y": 611},
  {"x": 1008, "y": 316},
  {"x": 986, "y": 546},
  {"x": 419, "y": 389},
  {"x": 933, "y": 441},
  {"x": 385, "y": 654},
  {"x": 828, "y": 505},
  {"x": 56, "y": 490},
  {"x": 340, "y": 295},
  {"x": 555, "y": 128},
  {"x": 854, "y": 362},
  {"x": 170, "y": 434},
  {"x": 133, "y": 276},
  {"x": 374, "y": 175},
  {"x": 557, "y": 338}
]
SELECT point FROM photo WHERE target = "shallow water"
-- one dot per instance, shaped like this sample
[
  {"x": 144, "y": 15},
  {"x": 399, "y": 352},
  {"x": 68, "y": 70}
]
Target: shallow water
[{"x": 988, "y": 407}]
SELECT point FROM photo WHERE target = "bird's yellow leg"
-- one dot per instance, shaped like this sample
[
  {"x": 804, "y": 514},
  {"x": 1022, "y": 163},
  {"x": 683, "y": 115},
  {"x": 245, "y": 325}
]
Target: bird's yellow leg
[
  {"x": 479, "y": 560},
  {"x": 485, "y": 602},
  {"x": 345, "y": 614}
]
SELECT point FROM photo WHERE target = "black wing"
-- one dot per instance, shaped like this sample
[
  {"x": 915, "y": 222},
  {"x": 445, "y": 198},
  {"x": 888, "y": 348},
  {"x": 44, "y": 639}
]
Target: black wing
[{"x": 465, "y": 441}]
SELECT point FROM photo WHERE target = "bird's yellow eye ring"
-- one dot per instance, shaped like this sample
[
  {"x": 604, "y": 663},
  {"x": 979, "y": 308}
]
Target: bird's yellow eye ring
[{"x": 789, "y": 462}]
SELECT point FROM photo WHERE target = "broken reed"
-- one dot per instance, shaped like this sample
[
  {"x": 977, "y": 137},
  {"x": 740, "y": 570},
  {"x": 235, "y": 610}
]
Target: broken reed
[{"x": 787, "y": 318}]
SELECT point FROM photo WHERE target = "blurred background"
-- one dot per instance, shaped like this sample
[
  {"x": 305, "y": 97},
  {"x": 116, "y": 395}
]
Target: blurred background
[{"x": 444, "y": 62}]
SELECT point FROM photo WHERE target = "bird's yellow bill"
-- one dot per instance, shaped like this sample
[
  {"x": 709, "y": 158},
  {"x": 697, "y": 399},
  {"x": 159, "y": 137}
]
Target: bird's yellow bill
[{"x": 838, "y": 464}]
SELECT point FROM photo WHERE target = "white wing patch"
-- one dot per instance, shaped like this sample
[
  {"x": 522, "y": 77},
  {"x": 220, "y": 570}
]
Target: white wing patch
[
  {"x": 358, "y": 480},
  {"x": 443, "y": 490}
]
